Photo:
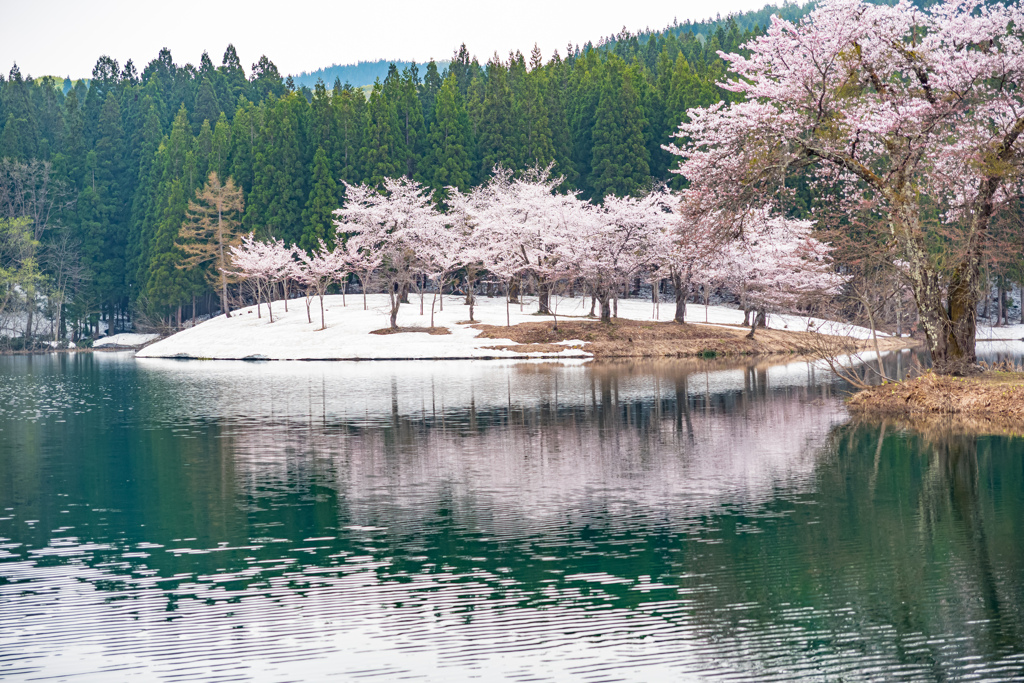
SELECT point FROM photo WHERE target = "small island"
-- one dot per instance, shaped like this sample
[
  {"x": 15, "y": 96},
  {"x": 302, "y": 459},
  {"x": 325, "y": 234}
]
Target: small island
[{"x": 353, "y": 332}]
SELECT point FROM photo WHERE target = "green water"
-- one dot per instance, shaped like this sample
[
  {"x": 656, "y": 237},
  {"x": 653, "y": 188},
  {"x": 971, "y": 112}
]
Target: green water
[{"x": 220, "y": 521}]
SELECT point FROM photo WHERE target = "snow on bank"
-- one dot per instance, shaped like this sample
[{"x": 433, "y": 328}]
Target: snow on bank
[
  {"x": 292, "y": 337},
  {"x": 125, "y": 339}
]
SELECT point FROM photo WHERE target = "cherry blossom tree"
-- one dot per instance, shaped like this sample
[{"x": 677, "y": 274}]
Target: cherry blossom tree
[
  {"x": 320, "y": 270},
  {"x": 686, "y": 252},
  {"x": 775, "y": 264},
  {"x": 263, "y": 265},
  {"x": 468, "y": 233},
  {"x": 901, "y": 109},
  {"x": 626, "y": 240},
  {"x": 387, "y": 230}
]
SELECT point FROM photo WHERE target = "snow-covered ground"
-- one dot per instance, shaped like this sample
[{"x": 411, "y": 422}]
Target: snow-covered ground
[
  {"x": 125, "y": 339},
  {"x": 292, "y": 337}
]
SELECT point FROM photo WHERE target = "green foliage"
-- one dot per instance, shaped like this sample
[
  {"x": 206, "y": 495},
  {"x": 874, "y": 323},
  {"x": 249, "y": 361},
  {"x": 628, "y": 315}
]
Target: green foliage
[
  {"x": 318, "y": 217},
  {"x": 620, "y": 158},
  {"x": 449, "y": 143},
  {"x": 133, "y": 147}
]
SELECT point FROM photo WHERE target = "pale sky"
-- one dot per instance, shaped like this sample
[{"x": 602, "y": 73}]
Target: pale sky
[{"x": 65, "y": 37}]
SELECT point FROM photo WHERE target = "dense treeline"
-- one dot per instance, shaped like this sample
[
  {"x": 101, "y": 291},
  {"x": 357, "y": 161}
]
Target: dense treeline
[
  {"x": 123, "y": 156},
  {"x": 360, "y": 73}
]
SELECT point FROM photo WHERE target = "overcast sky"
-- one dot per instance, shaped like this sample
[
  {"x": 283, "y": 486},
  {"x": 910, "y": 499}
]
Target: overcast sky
[{"x": 64, "y": 38}]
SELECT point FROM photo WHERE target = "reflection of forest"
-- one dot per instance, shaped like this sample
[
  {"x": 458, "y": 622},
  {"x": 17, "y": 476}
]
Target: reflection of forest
[{"x": 731, "y": 510}]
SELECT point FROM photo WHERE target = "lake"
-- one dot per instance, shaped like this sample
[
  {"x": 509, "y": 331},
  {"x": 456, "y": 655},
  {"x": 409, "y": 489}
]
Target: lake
[{"x": 494, "y": 521}]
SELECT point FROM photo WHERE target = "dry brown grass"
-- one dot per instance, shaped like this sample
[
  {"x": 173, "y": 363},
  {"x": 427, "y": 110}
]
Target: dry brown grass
[
  {"x": 402, "y": 330},
  {"x": 623, "y": 338},
  {"x": 991, "y": 403}
]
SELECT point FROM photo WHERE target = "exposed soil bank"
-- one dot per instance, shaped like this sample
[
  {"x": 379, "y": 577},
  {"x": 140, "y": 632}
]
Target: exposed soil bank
[
  {"x": 624, "y": 338},
  {"x": 991, "y": 403}
]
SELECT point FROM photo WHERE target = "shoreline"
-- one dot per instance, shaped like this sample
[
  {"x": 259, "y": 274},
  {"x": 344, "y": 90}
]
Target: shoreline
[
  {"x": 352, "y": 333},
  {"x": 990, "y": 403}
]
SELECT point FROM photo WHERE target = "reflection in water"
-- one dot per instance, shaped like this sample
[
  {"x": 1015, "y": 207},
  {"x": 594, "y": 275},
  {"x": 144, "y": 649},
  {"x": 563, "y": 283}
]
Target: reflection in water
[{"x": 452, "y": 521}]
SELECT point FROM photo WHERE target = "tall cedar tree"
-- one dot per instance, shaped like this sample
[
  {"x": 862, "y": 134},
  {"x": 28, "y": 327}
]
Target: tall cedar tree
[
  {"x": 620, "y": 160},
  {"x": 382, "y": 157},
  {"x": 318, "y": 216},
  {"x": 449, "y": 162}
]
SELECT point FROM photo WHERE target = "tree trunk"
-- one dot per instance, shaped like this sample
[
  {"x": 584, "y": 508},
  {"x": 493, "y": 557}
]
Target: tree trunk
[
  {"x": 758, "y": 318},
  {"x": 396, "y": 301},
  {"x": 224, "y": 287},
  {"x": 677, "y": 284},
  {"x": 513, "y": 291},
  {"x": 544, "y": 299}
]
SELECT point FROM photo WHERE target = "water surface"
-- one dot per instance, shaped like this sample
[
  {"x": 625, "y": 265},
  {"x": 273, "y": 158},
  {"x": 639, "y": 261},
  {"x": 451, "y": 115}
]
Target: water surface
[{"x": 230, "y": 521}]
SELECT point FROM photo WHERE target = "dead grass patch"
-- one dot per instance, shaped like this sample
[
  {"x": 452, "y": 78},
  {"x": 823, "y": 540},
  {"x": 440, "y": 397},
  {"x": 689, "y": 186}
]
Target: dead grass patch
[
  {"x": 624, "y": 338},
  {"x": 992, "y": 402},
  {"x": 401, "y": 330}
]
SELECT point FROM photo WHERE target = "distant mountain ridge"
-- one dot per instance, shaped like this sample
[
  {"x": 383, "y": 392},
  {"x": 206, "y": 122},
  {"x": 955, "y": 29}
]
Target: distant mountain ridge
[{"x": 358, "y": 74}]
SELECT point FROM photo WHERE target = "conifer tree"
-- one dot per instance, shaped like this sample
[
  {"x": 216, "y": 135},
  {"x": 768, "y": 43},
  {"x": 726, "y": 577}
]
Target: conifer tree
[
  {"x": 212, "y": 226},
  {"x": 221, "y": 147},
  {"x": 538, "y": 149},
  {"x": 167, "y": 286},
  {"x": 620, "y": 163},
  {"x": 235, "y": 82},
  {"x": 381, "y": 152},
  {"x": 449, "y": 142},
  {"x": 206, "y": 107},
  {"x": 409, "y": 112},
  {"x": 497, "y": 138},
  {"x": 318, "y": 216},
  {"x": 428, "y": 92},
  {"x": 351, "y": 116},
  {"x": 279, "y": 179},
  {"x": 147, "y": 182},
  {"x": 244, "y": 131}
]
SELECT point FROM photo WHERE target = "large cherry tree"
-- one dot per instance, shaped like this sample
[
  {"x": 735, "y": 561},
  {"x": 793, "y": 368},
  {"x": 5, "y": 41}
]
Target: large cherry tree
[{"x": 913, "y": 115}]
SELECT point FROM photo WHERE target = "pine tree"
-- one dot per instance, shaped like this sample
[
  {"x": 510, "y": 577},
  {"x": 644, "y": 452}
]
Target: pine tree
[
  {"x": 381, "y": 151},
  {"x": 498, "y": 139},
  {"x": 620, "y": 159},
  {"x": 351, "y": 117},
  {"x": 318, "y": 216},
  {"x": 278, "y": 191},
  {"x": 449, "y": 142}
]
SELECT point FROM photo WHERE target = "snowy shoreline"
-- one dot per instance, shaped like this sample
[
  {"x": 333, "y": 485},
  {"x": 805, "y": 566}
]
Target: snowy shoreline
[{"x": 245, "y": 336}]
